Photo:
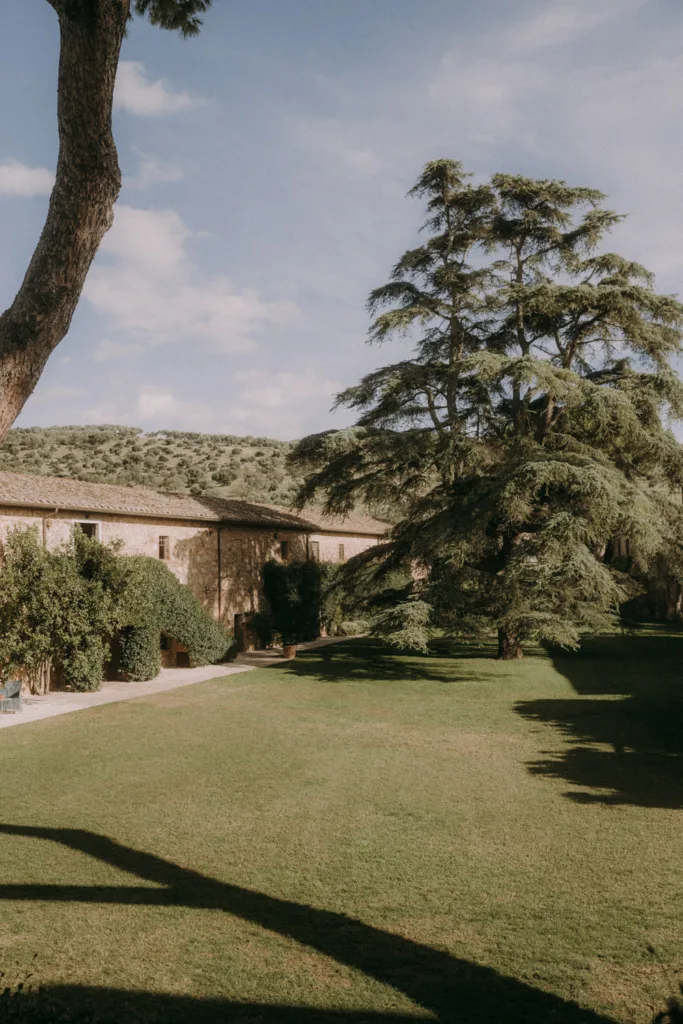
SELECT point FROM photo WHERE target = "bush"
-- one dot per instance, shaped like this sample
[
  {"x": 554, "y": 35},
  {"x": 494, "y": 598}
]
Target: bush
[
  {"x": 352, "y": 627},
  {"x": 294, "y": 593},
  {"x": 158, "y": 600},
  {"x": 139, "y": 653},
  {"x": 261, "y": 623},
  {"x": 60, "y": 607}
]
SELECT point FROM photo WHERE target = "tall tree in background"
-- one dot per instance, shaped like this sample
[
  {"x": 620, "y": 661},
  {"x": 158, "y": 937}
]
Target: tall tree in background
[
  {"x": 87, "y": 184},
  {"x": 528, "y": 429}
]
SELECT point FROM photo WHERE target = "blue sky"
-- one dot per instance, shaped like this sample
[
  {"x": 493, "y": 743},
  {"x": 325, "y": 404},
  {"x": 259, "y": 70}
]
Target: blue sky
[{"x": 265, "y": 168}]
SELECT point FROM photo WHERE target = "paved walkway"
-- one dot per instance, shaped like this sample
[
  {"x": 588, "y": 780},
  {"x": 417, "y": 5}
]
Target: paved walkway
[{"x": 36, "y": 708}]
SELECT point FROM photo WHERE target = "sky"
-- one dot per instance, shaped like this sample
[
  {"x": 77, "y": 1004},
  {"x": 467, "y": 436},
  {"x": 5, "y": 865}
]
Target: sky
[{"x": 266, "y": 165}]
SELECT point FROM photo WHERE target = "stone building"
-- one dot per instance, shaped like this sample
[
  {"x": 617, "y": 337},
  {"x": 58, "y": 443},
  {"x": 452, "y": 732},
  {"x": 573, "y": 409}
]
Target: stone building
[{"x": 215, "y": 546}]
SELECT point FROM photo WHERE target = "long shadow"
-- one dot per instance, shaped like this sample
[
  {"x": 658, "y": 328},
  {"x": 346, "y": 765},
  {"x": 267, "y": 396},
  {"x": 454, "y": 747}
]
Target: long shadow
[
  {"x": 626, "y": 734},
  {"x": 367, "y": 660},
  {"x": 451, "y": 989}
]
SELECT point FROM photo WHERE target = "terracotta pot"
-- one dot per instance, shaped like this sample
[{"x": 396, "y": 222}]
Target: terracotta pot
[{"x": 289, "y": 651}]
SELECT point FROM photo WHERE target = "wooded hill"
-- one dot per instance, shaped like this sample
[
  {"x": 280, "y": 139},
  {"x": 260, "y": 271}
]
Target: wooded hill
[{"x": 224, "y": 465}]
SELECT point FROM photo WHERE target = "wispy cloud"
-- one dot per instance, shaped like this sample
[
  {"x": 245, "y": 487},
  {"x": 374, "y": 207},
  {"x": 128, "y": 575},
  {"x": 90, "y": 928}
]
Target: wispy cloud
[
  {"x": 17, "y": 179},
  {"x": 275, "y": 404},
  {"x": 136, "y": 93},
  {"x": 153, "y": 290},
  {"x": 154, "y": 172},
  {"x": 108, "y": 350}
]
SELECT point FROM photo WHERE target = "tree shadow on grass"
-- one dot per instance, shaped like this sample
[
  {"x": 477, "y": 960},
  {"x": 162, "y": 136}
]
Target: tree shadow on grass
[
  {"x": 368, "y": 660},
  {"x": 451, "y": 989},
  {"x": 626, "y": 735}
]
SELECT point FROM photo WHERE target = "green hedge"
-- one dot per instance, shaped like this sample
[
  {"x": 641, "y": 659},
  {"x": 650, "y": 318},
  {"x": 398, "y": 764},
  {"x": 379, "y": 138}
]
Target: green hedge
[
  {"x": 293, "y": 591},
  {"x": 139, "y": 653},
  {"x": 159, "y": 601}
]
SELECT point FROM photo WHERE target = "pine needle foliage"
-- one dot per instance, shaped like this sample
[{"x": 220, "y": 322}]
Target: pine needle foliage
[
  {"x": 529, "y": 427},
  {"x": 183, "y": 16}
]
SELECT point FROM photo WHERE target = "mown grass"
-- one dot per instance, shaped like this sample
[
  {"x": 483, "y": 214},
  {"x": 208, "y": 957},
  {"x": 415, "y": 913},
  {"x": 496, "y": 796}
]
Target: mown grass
[{"x": 357, "y": 836}]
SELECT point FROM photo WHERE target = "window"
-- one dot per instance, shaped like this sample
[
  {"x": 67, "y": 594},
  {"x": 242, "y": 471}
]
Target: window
[
  {"x": 341, "y": 552},
  {"x": 314, "y": 550},
  {"x": 164, "y": 548},
  {"x": 89, "y": 529},
  {"x": 284, "y": 550}
]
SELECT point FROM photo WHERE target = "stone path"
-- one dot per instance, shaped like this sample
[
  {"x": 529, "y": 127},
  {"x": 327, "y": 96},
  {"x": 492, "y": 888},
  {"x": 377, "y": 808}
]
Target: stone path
[{"x": 36, "y": 708}]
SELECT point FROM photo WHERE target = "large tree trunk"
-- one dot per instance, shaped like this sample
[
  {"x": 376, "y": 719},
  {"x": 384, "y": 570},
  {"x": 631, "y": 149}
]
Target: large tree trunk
[
  {"x": 509, "y": 646},
  {"x": 86, "y": 187}
]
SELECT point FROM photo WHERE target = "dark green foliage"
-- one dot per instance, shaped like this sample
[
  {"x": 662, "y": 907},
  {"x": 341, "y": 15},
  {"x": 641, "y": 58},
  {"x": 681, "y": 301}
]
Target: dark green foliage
[
  {"x": 528, "y": 429},
  {"x": 174, "y": 460},
  {"x": 157, "y": 600},
  {"x": 181, "y": 16},
  {"x": 59, "y": 607},
  {"x": 262, "y": 626},
  {"x": 293, "y": 591},
  {"x": 139, "y": 653},
  {"x": 355, "y": 596}
]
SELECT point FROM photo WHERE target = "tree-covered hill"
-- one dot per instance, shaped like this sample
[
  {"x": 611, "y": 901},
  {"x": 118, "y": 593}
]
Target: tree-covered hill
[{"x": 220, "y": 464}]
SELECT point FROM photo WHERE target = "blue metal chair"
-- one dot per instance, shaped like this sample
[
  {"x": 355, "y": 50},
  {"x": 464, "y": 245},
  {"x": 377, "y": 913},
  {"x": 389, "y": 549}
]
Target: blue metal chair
[{"x": 10, "y": 696}]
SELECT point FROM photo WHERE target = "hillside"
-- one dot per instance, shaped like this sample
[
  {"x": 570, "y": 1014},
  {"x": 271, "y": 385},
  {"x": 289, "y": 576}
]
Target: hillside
[{"x": 167, "y": 460}]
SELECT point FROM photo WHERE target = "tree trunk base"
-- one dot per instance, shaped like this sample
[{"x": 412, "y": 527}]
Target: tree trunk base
[{"x": 509, "y": 647}]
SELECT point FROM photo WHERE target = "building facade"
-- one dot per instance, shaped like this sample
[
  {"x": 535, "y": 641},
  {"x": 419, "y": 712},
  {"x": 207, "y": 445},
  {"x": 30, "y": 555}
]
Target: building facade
[{"x": 217, "y": 547}]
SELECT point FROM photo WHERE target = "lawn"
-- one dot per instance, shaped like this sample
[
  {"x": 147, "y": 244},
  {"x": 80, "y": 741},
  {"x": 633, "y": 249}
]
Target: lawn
[{"x": 356, "y": 837}]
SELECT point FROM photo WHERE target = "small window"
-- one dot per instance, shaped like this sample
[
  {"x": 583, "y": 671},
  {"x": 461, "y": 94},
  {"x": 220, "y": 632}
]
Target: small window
[
  {"x": 164, "y": 548},
  {"x": 314, "y": 550},
  {"x": 341, "y": 553},
  {"x": 89, "y": 529},
  {"x": 284, "y": 550}
]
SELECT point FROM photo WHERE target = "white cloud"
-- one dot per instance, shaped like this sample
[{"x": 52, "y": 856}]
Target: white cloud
[
  {"x": 154, "y": 172},
  {"x": 138, "y": 94},
  {"x": 153, "y": 291},
  {"x": 16, "y": 179},
  {"x": 108, "y": 349},
  {"x": 560, "y": 22},
  {"x": 332, "y": 138},
  {"x": 274, "y": 404},
  {"x": 61, "y": 391}
]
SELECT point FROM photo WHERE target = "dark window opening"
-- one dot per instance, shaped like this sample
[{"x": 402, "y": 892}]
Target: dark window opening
[
  {"x": 341, "y": 552},
  {"x": 314, "y": 550},
  {"x": 284, "y": 550},
  {"x": 89, "y": 529},
  {"x": 164, "y": 548},
  {"x": 165, "y": 643}
]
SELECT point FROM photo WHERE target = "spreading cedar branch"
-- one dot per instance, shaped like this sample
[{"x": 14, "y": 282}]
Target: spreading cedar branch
[
  {"x": 530, "y": 426},
  {"x": 87, "y": 183}
]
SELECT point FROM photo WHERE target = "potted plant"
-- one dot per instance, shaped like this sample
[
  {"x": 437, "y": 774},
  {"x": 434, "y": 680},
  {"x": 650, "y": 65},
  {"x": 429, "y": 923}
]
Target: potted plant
[{"x": 293, "y": 595}]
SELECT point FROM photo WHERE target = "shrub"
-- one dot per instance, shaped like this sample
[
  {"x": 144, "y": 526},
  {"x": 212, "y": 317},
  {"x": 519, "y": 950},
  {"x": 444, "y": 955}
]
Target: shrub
[
  {"x": 294, "y": 593},
  {"x": 139, "y": 653},
  {"x": 261, "y": 623},
  {"x": 352, "y": 627},
  {"x": 59, "y": 606},
  {"x": 157, "y": 599}
]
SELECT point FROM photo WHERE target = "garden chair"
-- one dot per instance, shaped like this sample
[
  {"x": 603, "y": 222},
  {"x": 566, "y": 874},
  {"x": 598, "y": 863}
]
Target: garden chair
[{"x": 10, "y": 696}]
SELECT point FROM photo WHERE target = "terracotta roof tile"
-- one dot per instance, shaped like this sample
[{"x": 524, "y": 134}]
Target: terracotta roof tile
[
  {"x": 352, "y": 523},
  {"x": 37, "y": 491},
  {"x": 31, "y": 490}
]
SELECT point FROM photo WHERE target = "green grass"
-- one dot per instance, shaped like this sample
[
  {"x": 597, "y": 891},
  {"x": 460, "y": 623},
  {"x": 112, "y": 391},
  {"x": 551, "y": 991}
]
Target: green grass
[{"x": 357, "y": 836}]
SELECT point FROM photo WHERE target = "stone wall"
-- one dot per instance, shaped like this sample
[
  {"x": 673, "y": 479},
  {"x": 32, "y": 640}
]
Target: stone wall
[
  {"x": 329, "y": 545},
  {"x": 194, "y": 550}
]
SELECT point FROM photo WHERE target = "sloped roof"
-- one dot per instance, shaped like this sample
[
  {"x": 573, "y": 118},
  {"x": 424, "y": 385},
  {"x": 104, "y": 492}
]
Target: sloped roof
[
  {"x": 28, "y": 490},
  {"x": 57, "y": 492},
  {"x": 352, "y": 522}
]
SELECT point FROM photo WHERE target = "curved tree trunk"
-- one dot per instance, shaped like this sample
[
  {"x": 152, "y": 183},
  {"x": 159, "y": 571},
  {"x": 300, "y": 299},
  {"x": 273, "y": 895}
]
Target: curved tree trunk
[
  {"x": 509, "y": 646},
  {"x": 86, "y": 187}
]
